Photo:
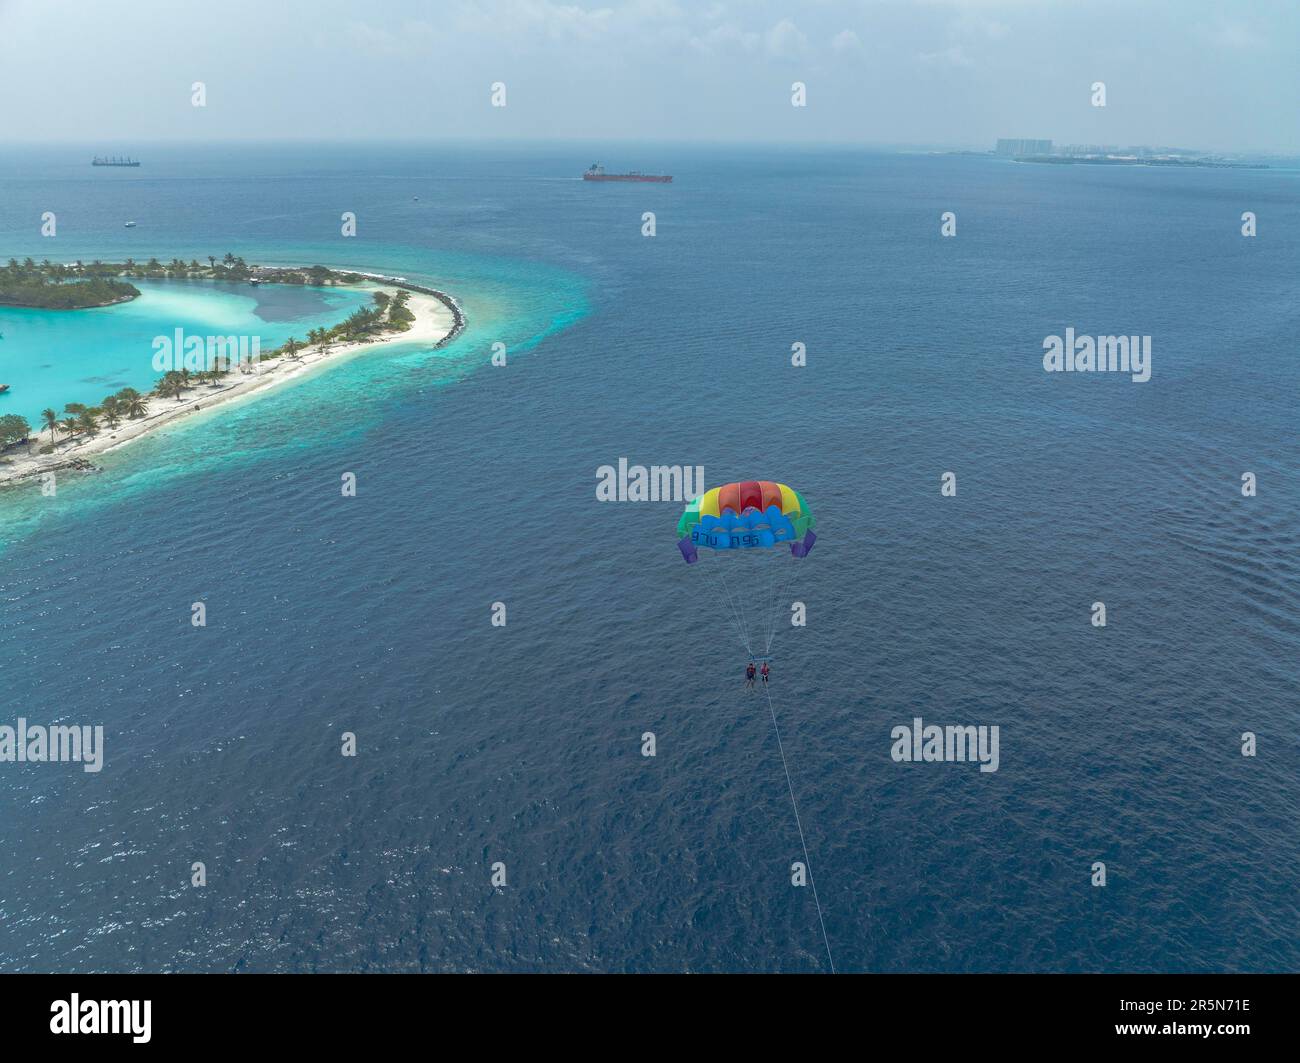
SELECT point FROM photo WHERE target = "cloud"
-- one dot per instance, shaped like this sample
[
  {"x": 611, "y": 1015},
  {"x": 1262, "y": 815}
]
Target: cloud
[
  {"x": 950, "y": 57},
  {"x": 785, "y": 40},
  {"x": 846, "y": 41},
  {"x": 543, "y": 18},
  {"x": 726, "y": 38},
  {"x": 413, "y": 39},
  {"x": 971, "y": 25},
  {"x": 1233, "y": 36}
]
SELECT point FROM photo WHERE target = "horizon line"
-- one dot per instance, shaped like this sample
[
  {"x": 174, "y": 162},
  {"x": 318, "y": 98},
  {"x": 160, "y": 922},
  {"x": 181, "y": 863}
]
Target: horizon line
[{"x": 897, "y": 146}]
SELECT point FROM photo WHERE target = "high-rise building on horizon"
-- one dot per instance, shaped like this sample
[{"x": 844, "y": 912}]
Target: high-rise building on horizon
[{"x": 1023, "y": 147}]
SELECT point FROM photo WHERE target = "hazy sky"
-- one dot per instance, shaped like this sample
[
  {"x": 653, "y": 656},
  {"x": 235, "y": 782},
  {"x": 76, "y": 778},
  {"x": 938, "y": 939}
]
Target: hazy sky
[{"x": 1197, "y": 73}]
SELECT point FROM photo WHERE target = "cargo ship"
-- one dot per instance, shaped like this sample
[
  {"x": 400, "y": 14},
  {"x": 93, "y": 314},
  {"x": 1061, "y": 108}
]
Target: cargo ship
[
  {"x": 597, "y": 173},
  {"x": 114, "y": 161}
]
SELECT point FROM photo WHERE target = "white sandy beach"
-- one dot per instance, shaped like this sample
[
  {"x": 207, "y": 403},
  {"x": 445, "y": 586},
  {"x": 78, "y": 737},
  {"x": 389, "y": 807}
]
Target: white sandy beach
[{"x": 434, "y": 322}]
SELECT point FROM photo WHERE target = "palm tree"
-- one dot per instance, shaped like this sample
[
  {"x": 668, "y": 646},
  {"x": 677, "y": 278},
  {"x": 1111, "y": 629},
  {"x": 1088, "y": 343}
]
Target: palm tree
[
  {"x": 112, "y": 409},
  {"x": 172, "y": 385},
  {"x": 88, "y": 422},
  {"x": 51, "y": 420},
  {"x": 291, "y": 348},
  {"x": 69, "y": 426},
  {"x": 133, "y": 403}
]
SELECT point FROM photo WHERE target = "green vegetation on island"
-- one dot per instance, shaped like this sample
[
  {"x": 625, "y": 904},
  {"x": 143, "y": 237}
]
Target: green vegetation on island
[
  {"x": 13, "y": 429},
  {"x": 29, "y": 285},
  {"x": 79, "y": 285}
]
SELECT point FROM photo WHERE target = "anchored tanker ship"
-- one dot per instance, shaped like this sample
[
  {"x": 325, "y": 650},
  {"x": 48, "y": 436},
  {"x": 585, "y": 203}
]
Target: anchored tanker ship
[
  {"x": 114, "y": 161},
  {"x": 597, "y": 173}
]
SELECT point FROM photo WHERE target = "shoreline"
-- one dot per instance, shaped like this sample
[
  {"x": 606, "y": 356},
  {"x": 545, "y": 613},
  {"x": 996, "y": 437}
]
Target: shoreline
[
  {"x": 121, "y": 300},
  {"x": 439, "y": 319}
]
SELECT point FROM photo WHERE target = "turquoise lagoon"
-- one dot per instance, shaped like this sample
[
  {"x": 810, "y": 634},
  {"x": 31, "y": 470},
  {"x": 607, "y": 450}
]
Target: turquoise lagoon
[{"x": 50, "y": 358}]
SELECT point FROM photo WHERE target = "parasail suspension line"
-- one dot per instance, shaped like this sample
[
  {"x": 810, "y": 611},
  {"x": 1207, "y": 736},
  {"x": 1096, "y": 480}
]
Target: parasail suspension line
[
  {"x": 797, "y": 823},
  {"x": 731, "y": 607}
]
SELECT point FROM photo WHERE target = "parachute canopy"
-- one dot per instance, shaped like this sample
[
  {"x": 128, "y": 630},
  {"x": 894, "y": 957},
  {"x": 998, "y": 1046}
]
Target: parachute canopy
[{"x": 751, "y": 514}]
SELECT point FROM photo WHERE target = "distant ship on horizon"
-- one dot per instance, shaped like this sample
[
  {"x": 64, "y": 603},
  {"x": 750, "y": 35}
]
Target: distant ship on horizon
[
  {"x": 105, "y": 160},
  {"x": 596, "y": 172}
]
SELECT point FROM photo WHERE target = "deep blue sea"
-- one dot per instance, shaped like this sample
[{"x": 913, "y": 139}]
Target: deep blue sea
[{"x": 521, "y": 744}]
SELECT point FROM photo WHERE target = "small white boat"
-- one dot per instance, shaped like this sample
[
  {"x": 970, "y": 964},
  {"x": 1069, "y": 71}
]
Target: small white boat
[{"x": 129, "y": 225}]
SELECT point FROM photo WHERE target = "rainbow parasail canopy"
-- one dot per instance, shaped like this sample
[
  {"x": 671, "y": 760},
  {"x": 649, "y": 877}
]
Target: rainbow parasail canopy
[{"x": 751, "y": 514}]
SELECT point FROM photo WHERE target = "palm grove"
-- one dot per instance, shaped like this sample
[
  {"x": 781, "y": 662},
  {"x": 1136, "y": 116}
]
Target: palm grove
[{"x": 77, "y": 285}]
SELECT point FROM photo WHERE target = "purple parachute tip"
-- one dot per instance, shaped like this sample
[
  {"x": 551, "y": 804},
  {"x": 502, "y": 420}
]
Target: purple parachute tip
[{"x": 801, "y": 549}]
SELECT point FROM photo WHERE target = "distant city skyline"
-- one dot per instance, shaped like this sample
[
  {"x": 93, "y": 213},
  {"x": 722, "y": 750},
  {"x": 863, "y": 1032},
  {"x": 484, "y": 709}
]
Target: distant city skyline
[{"x": 954, "y": 73}]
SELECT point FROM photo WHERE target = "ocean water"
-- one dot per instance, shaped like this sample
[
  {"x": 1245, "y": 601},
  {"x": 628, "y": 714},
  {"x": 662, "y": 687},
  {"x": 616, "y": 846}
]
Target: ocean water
[{"x": 522, "y": 744}]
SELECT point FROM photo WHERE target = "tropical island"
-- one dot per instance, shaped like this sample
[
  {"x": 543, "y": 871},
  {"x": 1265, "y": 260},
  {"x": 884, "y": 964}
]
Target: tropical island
[
  {"x": 399, "y": 310},
  {"x": 53, "y": 288},
  {"x": 80, "y": 285}
]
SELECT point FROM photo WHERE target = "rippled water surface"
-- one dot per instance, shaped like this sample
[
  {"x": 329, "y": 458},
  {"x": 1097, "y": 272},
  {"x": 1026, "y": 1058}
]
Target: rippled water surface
[{"x": 522, "y": 744}]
